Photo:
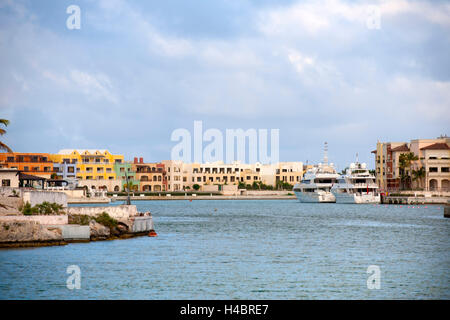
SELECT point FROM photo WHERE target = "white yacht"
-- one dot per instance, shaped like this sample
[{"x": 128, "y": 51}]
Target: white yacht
[
  {"x": 357, "y": 185},
  {"x": 317, "y": 182}
]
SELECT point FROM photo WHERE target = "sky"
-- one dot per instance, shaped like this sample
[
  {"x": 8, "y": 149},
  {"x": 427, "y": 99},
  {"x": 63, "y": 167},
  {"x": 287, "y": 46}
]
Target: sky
[{"x": 137, "y": 70}]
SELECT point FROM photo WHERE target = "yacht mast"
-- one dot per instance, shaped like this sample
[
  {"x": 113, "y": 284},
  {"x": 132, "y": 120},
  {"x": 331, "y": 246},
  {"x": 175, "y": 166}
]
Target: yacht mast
[{"x": 325, "y": 153}]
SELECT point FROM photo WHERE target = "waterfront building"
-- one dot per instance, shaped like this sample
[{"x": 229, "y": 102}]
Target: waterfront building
[
  {"x": 151, "y": 176},
  {"x": 127, "y": 168},
  {"x": 37, "y": 164},
  {"x": 9, "y": 178},
  {"x": 433, "y": 157},
  {"x": 94, "y": 168},
  {"x": 184, "y": 176},
  {"x": 174, "y": 174}
]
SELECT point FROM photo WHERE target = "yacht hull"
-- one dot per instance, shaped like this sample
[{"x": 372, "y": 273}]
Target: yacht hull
[
  {"x": 353, "y": 198},
  {"x": 314, "y": 197}
]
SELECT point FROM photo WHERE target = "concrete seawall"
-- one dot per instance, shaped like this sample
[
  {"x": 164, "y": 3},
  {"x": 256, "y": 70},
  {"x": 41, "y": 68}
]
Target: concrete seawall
[
  {"x": 72, "y": 232},
  {"x": 44, "y": 220},
  {"x": 267, "y": 197},
  {"x": 142, "y": 224},
  {"x": 447, "y": 211},
  {"x": 120, "y": 212},
  {"x": 37, "y": 197}
]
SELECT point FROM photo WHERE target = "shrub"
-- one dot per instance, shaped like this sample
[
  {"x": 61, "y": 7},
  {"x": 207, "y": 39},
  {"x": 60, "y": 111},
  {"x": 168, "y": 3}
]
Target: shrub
[
  {"x": 81, "y": 219},
  {"x": 44, "y": 208},
  {"x": 27, "y": 209},
  {"x": 106, "y": 220}
]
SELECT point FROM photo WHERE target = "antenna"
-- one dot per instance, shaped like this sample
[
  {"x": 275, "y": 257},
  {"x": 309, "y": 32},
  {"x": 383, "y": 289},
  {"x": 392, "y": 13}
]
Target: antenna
[
  {"x": 325, "y": 153},
  {"x": 357, "y": 157}
]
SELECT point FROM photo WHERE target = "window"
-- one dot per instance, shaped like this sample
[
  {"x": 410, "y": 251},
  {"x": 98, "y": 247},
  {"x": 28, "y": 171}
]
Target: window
[
  {"x": 445, "y": 169},
  {"x": 6, "y": 183},
  {"x": 71, "y": 169},
  {"x": 118, "y": 161},
  {"x": 26, "y": 169},
  {"x": 433, "y": 169}
]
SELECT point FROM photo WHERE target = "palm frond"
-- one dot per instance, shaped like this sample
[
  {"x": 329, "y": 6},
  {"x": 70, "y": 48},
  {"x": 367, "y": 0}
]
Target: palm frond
[{"x": 5, "y": 147}]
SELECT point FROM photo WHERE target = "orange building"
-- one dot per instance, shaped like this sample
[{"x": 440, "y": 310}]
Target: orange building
[{"x": 37, "y": 164}]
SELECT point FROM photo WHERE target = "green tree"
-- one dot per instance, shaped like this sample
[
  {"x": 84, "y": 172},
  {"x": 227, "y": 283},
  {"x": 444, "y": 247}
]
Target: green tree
[
  {"x": 419, "y": 175},
  {"x": 405, "y": 161},
  {"x": 2, "y": 132},
  {"x": 196, "y": 187}
]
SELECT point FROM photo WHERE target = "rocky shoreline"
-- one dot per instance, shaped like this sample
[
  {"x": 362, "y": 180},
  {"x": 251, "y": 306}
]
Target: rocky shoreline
[{"x": 23, "y": 234}]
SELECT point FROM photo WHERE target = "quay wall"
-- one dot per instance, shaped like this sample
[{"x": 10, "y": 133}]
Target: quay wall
[
  {"x": 117, "y": 212},
  {"x": 73, "y": 231},
  {"x": 141, "y": 224},
  {"x": 38, "y": 197},
  {"x": 44, "y": 220}
]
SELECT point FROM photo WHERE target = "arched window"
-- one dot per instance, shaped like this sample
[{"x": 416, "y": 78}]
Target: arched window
[
  {"x": 433, "y": 184},
  {"x": 445, "y": 185}
]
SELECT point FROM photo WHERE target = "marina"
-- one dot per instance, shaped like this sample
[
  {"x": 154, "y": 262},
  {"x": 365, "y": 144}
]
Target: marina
[{"x": 248, "y": 249}]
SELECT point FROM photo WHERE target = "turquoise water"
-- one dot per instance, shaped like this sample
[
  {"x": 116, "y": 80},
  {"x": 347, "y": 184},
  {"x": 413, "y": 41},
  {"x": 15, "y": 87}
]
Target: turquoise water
[{"x": 261, "y": 249}]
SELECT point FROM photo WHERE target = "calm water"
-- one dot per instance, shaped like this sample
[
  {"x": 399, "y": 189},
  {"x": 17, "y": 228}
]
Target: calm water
[{"x": 271, "y": 249}]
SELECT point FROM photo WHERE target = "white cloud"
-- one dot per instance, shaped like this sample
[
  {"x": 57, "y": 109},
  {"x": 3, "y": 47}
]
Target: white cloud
[
  {"x": 299, "y": 61},
  {"x": 96, "y": 86}
]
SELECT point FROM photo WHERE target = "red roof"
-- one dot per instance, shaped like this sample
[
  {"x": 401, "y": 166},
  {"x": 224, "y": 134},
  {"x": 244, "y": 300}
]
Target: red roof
[
  {"x": 437, "y": 146},
  {"x": 403, "y": 147}
]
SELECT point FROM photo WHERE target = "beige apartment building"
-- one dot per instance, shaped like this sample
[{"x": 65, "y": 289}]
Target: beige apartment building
[
  {"x": 183, "y": 176},
  {"x": 433, "y": 156}
]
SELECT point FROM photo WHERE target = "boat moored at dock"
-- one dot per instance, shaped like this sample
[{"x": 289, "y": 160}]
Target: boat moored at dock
[
  {"x": 357, "y": 185},
  {"x": 317, "y": 182}
]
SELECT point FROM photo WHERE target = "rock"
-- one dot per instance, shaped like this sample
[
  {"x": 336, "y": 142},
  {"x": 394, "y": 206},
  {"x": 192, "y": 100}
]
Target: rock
[
  {"x": 26, "y": 231},
  {"x": 9, "y": 206},
  {"x": 99, "y": 231},
  {"x": 122, "y": 227}
]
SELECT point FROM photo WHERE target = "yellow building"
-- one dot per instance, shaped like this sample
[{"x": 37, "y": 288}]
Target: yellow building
[{"x": 90, "y": 164}]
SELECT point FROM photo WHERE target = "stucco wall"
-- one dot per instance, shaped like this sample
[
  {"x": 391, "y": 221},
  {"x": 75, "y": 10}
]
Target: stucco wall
[
  {"x": 37, "y": 197},
  {"x": 116, "y": 212},
  {"x": 47, "y": 220},
  {"x": 141, "y": 224}
]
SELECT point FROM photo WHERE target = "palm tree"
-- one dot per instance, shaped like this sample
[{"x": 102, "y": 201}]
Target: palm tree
[
  {"x": 2, "y": 132},
  {"x": 419, "y": 174},
  {"x": 405, "y": 161}
]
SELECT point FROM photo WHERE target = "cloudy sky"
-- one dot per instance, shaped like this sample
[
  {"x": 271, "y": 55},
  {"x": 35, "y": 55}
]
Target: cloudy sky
[{"x": 137, "y": 70}]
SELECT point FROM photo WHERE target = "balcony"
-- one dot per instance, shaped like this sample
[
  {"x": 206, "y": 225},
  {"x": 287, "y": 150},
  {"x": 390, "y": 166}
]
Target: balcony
[{"x": 431, "y": 162}]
